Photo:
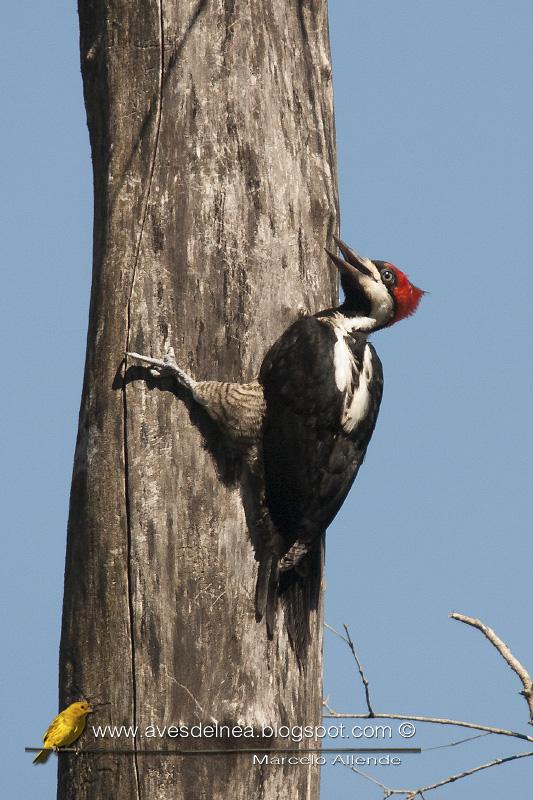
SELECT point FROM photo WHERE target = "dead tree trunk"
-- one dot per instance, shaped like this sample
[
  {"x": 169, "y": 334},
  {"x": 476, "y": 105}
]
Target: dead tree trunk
[{"x": 212, "y": 138}]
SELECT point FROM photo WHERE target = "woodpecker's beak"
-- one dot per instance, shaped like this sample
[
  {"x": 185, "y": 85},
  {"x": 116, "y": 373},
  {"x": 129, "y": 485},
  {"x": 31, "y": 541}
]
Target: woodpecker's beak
[{"x": 354, "y": 264}]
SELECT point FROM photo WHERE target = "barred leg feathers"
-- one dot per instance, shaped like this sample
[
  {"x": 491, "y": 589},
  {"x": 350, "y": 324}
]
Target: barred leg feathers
[
  {"x": 237, "y": 407},
  {"x": 294, "y": 555}
]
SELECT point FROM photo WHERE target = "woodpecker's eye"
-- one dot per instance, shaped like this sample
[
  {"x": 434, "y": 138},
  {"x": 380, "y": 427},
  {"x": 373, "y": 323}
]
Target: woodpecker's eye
[{"x": 388, "y": 277}]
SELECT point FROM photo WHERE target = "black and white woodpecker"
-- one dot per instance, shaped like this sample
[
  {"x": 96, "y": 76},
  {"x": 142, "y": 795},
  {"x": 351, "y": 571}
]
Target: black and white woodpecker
[{"x": 304, "y": 425}]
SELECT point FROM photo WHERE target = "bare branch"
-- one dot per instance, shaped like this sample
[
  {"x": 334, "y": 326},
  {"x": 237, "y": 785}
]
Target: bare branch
[
  {"x": 465, "y": 774},
  {"x": 506, "y": 654},
  {"x": 433, "y": 720},
  {"x": 349, "y": 642},
  {"x": 410, "y": 794}
]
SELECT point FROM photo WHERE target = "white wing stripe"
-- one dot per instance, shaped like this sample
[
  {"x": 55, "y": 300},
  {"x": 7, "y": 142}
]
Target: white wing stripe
[{"x": 356, "y": 404}]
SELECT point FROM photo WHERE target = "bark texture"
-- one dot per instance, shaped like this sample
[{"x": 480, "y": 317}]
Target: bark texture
[{"x": 212, "y": 137}]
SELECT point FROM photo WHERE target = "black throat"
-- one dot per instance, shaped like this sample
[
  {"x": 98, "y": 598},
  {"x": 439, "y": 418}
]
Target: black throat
[{"x": 356, "y": 304}]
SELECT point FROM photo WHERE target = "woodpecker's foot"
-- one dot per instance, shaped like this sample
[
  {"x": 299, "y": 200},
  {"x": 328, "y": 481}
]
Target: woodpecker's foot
[
  {"x": 294, "y": 558},
  {"x": 166, "y": 367}
]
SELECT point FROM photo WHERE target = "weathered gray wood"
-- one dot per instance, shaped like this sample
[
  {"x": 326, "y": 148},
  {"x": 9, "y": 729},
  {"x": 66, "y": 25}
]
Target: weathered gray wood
[{"x": 212, "y": 140}]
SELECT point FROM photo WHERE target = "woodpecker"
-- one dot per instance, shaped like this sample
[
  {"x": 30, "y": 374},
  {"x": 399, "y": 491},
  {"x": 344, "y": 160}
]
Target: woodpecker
[{"x": 304, "y": 425}]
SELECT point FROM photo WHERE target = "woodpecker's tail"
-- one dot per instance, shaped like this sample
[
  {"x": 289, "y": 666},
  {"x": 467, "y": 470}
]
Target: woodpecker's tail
[
  {"x": 41, "y": 757},
  {"x": 298, "y": 588},
  {"x": 299, "y": 591}
]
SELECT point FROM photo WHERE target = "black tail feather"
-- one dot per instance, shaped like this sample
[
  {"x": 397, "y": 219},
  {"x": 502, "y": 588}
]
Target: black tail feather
[
  {"x": 266, "y": 591},
  {"x": 261, "y": 587},
  {"x": 272, "y": 597},
  {"x": 299, "y": 590}
]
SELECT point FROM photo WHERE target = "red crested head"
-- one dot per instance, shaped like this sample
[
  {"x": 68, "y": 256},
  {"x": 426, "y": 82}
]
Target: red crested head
[{"x": 406, "y": 295}]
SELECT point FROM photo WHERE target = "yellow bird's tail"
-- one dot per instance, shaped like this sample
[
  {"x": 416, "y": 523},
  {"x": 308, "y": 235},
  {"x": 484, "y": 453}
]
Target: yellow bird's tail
[{"x": 41, "y": 757}]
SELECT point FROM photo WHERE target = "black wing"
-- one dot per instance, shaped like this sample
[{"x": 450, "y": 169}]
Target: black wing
[{"x": 310, "y": 462}]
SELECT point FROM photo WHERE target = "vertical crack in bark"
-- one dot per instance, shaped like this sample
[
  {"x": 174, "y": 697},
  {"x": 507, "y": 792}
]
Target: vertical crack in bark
[
  {"x": 129, "y": 587},
  {"x": 129, "y": 577}
]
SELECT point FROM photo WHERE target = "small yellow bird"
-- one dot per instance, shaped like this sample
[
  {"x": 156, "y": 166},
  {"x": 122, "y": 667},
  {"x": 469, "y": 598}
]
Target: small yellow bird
[{"x": 64, "y": 729}]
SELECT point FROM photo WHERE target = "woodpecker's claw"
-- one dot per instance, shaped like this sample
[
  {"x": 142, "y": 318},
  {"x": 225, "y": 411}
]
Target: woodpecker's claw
[
  {"x": 158, "y": 366},
  {"x": 166, "y": 367},
  {"x": 154, "y": 362}
]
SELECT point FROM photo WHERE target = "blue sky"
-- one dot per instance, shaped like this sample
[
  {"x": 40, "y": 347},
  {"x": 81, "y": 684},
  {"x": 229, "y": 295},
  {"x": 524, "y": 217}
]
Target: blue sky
[{"x": 434, "y": 125}]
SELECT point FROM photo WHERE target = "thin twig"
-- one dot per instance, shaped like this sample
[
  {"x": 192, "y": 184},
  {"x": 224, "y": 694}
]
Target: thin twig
[
  {"x": 349, "y": 642},
  {"x": 506, "y": 654},
  {"x": 361, "y": 670},
  {"x": 368, "y": 777},
  {"x": 454, "y": 744}
]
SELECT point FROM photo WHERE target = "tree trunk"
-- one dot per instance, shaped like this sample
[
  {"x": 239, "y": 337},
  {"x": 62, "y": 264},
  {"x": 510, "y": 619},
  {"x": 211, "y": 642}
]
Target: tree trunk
[{"x": 212, "y": 138}]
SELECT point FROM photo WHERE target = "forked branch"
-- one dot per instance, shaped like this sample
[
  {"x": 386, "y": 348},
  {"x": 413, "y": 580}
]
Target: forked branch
[{"x": 510, "y": 659}]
